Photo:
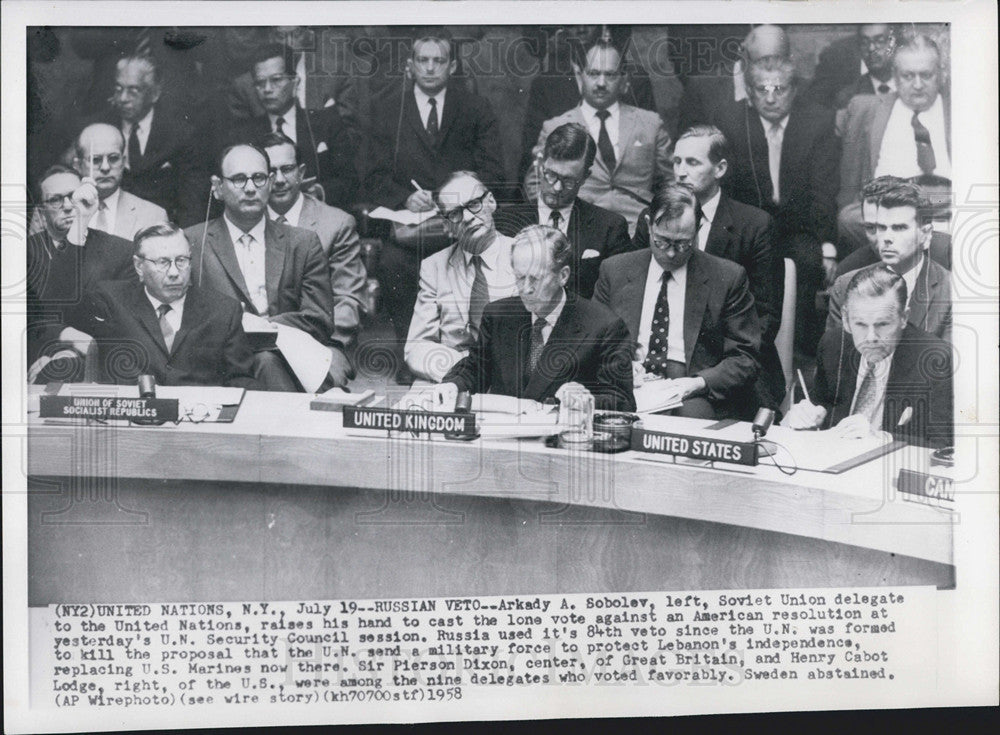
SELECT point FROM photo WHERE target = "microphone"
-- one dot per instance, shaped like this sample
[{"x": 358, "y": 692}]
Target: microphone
[
  {"x": 761, "y": 423},
  {"x": 147, "y": 386}
]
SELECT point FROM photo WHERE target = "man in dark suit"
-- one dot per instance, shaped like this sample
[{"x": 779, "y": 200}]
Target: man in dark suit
[
  {"x": 323, "y": 141},
  {"x": 735, "y": 231},
  {"x": 277, "y": 272},
  {"x": 180, "y": 334},
  {"x": 690, "y": 314},
  {"x": 164, "y": 163},
  {"x": 544, "y": 343},
  {"x": 902, "y": 232},
  {"x": 858, "y": 64},
  {"x": 65, "y": 260},
  {"x": 594, "y": 232},
  {"x": 785, "y": 162},
  {"x": 880, "y": 373}
]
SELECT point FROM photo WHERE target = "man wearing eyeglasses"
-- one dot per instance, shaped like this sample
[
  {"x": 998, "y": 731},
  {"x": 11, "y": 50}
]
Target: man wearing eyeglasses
[
  {"x": 65, "y": 260},
  {"x": 690, "y": 314},
  {"x": 594, "y": 232},
  {"x": 858, "y": 64},
  {"x": 324, "y": 144},
  {"x": 163, "y": 325},
  {"x": 288, "y": 204},
  {"x": 633, "y": 146},
  {"x": 458, "y": 282},
  {"x": 277, "y": 272}
]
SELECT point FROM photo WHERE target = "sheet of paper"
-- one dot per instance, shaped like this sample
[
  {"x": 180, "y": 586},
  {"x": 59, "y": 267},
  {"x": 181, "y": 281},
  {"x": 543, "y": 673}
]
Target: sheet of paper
[
  {"x": 402, "y": 216},
  {"x": 308, "y": 359},
  {"x": 657, "y": 395}
]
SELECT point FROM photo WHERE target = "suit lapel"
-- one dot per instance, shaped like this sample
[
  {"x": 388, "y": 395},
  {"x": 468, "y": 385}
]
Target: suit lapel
[
  {"x": 879, "y": 123},
  {"x": 626, "y": 133},
  {"x": 448, "y": 115},
  {"x": 926, "y": 284},
  {"x": 412, "y": 114},
  {"x": 307, "y": 218},
  {"x": 274, "y": 261},
  {"x": 144, "y": 314},
  {"x": 791, "y": 148},
  {"x": 194, "y": 314},
  {"x": 564, "y": 334},
  {"x": 578, "y": 227},
  {"x": 720, "y": 233},
  {"x": 633, "y": 292},
  {"x": 224, "y": 250},
  {"x": 759, "y": 152},
  {"x": 695, "y": 300},
  {"x": 454, "y": 272}
]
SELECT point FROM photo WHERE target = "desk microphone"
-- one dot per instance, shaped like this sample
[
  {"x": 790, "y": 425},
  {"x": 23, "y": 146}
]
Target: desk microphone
[
  {"x": 761, "y": 423},
  {"x": 147, "y": 386}
]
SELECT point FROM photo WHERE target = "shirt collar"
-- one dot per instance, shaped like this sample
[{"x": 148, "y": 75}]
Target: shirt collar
[
  {"x": 545, "y": 212},
  {"x": 782, "y": 123},
  {"x": 176, "y": 305},
  {"x": 288, "y": 117},
  {"x": 709, "y": 208},
  {"x": 257, "y": 231},
  {"x": 881, "y": 367},
  {"x": 111, "y": 200},
  {"x": 656, "y": 270},
  {"x": 292, "y": 216},
  {"x": 591, "y": 112},
  {"x": 423, "y": 99},
  {"x": 144, "y": 124},
  {"x": 553, "y": 316},
  {"x": 489, "y": 255}
]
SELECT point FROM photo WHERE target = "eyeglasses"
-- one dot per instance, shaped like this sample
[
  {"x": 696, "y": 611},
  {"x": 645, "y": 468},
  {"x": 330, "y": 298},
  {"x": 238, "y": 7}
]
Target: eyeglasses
[
  {"x": 130, "y": 91},
  {"x": 276, "y": 81},
  {"x": 240, "y": 180},
  {"x": 56, "y": 200},
  {"x": 113, "y": 159},
  {"x": 779, "y": 90},
  {"x": 182, "y": 262},
  {"x": 286, "y": 171},
  {"x": 475, "y": 206},
  {"x": 678, "y": 246},
  {"x": 883, "y": 41},
  {"x": 567, "y": 182}
]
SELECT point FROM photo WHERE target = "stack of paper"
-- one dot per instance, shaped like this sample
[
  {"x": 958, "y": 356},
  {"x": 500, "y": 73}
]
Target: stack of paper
[
  {"x": 657, "y": 395},
  {"x": 402, "y": 216}
]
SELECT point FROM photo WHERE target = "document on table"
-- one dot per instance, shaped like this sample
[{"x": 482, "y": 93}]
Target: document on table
[
  {"x": 656, "y": 395},
  {"x": 402, "y": 216}
]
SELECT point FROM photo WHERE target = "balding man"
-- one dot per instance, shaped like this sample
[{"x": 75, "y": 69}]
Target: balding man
[
  {"x": 705, "y": 95},
  {"x": 163, "y": 162}
]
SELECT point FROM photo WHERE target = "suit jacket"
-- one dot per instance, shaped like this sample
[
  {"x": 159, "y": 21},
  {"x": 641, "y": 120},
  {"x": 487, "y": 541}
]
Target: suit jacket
[
  {"x": 940, "y": 252},
  {"x": 400, "y": 150},
  {"x": 641, "y": 164},
  {"x": 173, "y": 172},
  {"x": 594, "y": 232},
  {"x": 930, "y": 304},
  {"x": 920, "y": 378},
  {"x": 838, "y": 75},
  {"x": 324, "y": 145},
  {"x": 721, "y": 329},
  {"x": 339, "y": 239},
  {"x": 57, "y": 282},
  {"x": 210, "y": 348},
  {"x": 863, "y": 128},
  {"x": 438, "y": 336},
  {"x": 588, "y": 345},
  {"x": 297, "y": 274},
  {"x": 810, "y": 155},
  {"x": 134, "y": 214}
]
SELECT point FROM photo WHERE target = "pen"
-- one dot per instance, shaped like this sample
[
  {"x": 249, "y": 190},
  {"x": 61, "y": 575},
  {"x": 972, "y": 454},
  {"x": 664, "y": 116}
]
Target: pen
[
  {"x": 905, "y": 417},
  {"x": 416, "y": 186},
  {"x": 802, "y": 383}
]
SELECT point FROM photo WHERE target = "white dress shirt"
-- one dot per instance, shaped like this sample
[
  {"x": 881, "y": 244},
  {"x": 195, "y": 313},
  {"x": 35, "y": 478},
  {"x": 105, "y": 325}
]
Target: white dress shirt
[
  {"x": 613, "y": 123},
  {"x": 293, "y": 214},
  {"x": 675, "y": 301},
  {"x": 424, "y": 105},
  {"x": 551, "y": 318},
  {"x": 881, "y": 381},
  {"x": 910, "y": 279},
  {"x": 898, "y": 154},
  {"x": 110, "y": 217},
  {"x": 545, "y": 215},
  {"x": 141, "y": 133},
  {"x": 890, "y": 82},
  {"x": 175, "y": 316},
  {"x": 250, "y": 256},
  {"x": 496, "y": 280},
  {"x": 775, "y": 134},
  {"x": 708, "y": 210},
  {"x": 288, "y": 124}
]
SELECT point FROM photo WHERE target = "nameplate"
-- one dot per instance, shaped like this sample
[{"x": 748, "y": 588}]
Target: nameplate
[
  {"x": 694, "y": 447},
  {"x": 416, "y": 422},
  {"x": 921, "y": 487},
  {"x": 108, "y": 408}
]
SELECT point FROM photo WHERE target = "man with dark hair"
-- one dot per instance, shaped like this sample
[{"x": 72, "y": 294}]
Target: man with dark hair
[
  {"x": 858, "y": 64},
  {"x": 322, "y": 140},
  {"x": 690, "y": 314},
  {"x": 594, "y": 232},
  {"x": 785, "y": 162},
  {"x": 889, "y": 376},
  {"x": 164, "y": 162},
  {"x": 902, "y": 232},
  {"x": 277, "y": 272},
  {"x": 543, "y": 343},
  {"x": 65, "y": 260},
  {"x": 168, "y": 328},
  {"x": 337, "y": 236},
  {"x": 633, "y": 145}
]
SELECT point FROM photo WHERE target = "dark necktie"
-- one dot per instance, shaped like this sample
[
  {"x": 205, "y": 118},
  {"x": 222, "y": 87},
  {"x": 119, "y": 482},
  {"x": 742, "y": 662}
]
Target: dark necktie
[
  {"x": 432, "y": 120},
  {"x": 554, "y": 218},
  {"x": 134, "y": 151},
  {"x": 165, "y": 328},
  {"x": 480, "y": 295},
  {"x": 281, "y": 219},
  {"x": 656, "y": 356},
  {"x": 883, "y": 88},
  {"x": 279, "y": 125},
  {"x": 537, "y": 344},
  {"x": 604, "y": 141},
  {"x": 925, "y": 151}
]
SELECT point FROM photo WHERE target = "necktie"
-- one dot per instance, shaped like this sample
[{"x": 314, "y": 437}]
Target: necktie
[
  {"x": 257, "y": 295},
  {"x": 480, "y": 295},
  {"x": 432, "y": 120},
  {"x": 554, "y": 218},
  {"x": 101, "y": 218},
  {"x": 883, "y": 88},
  {"x": 925, "y": 152},
  {"x": 279, "y": 125},
  {"x": 867, "y": 399},
  {"x": 774, "y": 160},
  {"x": 656, "y": 356},
  {"x": 604, "y": 141},
  {"x": 165, "y": 328},
  {"x": 704, "y": 227},
  {"x": 537, "y": 344},
  {"x": 281, "y": 219},
  {"x": 134, "y": 151}
]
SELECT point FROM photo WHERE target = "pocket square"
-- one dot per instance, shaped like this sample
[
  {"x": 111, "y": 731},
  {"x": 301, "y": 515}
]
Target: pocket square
[
  {"x": 167, "y": 164},
  {"x": 322, "y": 147},
  {"x": 590, "y": 253}
]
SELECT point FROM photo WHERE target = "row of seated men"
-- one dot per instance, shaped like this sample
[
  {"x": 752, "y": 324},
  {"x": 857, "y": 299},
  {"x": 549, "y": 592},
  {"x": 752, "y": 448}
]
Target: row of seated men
[{"x": 791, "y": 156}]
